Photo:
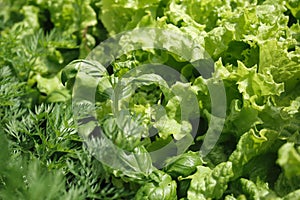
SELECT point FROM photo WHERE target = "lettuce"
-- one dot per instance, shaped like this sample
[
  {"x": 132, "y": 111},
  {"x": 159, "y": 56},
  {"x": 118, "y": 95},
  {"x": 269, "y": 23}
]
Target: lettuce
[
  {"x": 207, "y": 183},
  {"x": 255, "y": 54},
  {"x": 166, "y": 121},
  {"x": 289, "y": 159},
  {"x": 161, "y": 187}
]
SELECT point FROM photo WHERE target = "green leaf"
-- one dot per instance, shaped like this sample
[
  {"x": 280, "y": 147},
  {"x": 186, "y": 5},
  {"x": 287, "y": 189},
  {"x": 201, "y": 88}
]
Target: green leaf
[
  {"x": 284, "y": 70},
  {"x": 161, "y": 187},
  {"x": 167, "y": 127},
  {"x": 183, "y": 165},
  {"x": 72, "y": 16},
  {"x": 293, "y": 195},
  {"x": 250, "y": 145},
  {"x": 53, "y": 88},
  {"x": 258, "y": 190},
  {"x": 209, "y": 183},
  {"x": 283, "y": 185},
  {"x": 118, "y": 16},
  {"x": 294, "y": 7},
  {"x": 289, "y": 160}
]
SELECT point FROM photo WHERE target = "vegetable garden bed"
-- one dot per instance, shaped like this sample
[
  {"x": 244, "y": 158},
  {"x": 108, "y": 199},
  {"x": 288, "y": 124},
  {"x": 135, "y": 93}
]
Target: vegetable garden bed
[{"x": 159, "y": 99}]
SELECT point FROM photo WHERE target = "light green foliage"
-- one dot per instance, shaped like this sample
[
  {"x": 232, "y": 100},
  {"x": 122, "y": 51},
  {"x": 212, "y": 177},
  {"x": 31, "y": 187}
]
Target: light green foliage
[
  {"x": 183, "y": 165},
  {"x": 289, "y": 160},
  {"x": 209, "y": 183},
  {"x": 118, "y": 16},
  {"x": 255, "y": 51},
  {"x": 161, "y": 187}
]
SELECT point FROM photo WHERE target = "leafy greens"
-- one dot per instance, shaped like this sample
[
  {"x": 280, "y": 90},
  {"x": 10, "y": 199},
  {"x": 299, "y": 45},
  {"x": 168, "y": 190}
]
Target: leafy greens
[{"x": 255, "y": 48}]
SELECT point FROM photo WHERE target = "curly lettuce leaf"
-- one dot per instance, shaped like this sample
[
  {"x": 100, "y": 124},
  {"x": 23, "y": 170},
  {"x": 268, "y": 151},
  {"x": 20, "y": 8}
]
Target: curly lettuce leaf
[
  {"x": 118, "y": 16},
  {"x": 161, "y": 187},
  {"x": 71, "y": 16},
  {"x": 275, "y": 59},
  {"x": 250, "y": 145},
  {"x": 289, "y": 160},
  {"x": 258, "y": 190},
  {"x": 209, "y": 183}
]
